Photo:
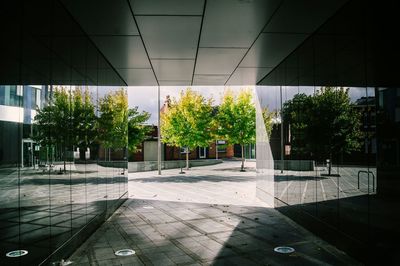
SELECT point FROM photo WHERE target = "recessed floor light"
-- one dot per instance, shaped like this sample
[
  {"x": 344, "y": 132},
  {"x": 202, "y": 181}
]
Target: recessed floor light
[
  {"x": 284, "y": 250},
  {"x": 148, "y": 207},
  {"x": 125, "y": 252},
  {"x": 17, "y": 253}
]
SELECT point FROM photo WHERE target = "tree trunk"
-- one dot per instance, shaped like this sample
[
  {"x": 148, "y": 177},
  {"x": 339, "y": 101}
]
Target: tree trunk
[
  {"x": 65, "y": 164},
  {"x": 242, "y": 168},
  {"x": 82, "y": 154},
  {"x": 329, "y": 169},
  {"x": 330, "y": 165},
  {"x": 187, "y": 159}
]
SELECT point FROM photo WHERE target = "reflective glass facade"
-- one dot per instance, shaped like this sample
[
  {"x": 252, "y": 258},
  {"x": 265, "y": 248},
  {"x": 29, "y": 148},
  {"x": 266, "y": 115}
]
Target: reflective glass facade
[
  {"x": 59, "y": 180},
  {"x": 52, "y": 196},
  {"x": 331, "y": 162}
]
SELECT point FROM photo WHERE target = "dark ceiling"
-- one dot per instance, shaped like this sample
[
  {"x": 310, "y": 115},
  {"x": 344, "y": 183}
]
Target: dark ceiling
[{"x": 157, "y": 42}]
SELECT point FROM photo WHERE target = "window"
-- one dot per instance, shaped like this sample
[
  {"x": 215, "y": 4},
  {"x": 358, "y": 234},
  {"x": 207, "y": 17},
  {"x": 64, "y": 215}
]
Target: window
[
  {"x": 15, "y": 95},
  {"x": 221, "y": 146},
  {"x": 33, "y": 98}
]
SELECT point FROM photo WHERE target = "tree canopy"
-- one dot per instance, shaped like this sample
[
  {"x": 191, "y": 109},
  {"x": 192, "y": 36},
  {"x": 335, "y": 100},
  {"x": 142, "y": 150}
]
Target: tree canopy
[
  {"x": 69, "y": 120},
  {"x": 335, "y": 126},
  {"x": 267, "y": 117},
  {"x": 113, "y": 120},
  {"x": 83, "y": 120},
  {"x": 236, "y": 119},
  {"x": 137, "y": 130},
  {"x": 323, "y": 125},
  {"x": 296, "y": 113},
  {"x": 187, "y": 122}
]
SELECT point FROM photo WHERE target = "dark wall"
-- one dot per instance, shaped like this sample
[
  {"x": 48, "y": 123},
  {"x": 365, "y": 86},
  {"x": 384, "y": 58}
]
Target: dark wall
[
  {"x": 43, "y": 210},
  {"x": 356, "y": 207},
  {"x": 9, "y": 139}
]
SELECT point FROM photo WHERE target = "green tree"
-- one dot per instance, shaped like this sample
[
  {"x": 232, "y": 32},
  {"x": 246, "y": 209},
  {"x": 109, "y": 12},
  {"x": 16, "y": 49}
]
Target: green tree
[
  {"x": 323, "y": 125},
  {"x": 113, "y": 121},
  {"x": 237, "y": 119},
  {"x": 335, "y": 126},
  {"x": 187, "y": 122},
  {"x": 83, "y": 121},
  {"x": 296, "y": 113},
  {"x": 53, "y": 124},
  {"x": 267, "y": 117},
  {"x": 137, "y": 131}
]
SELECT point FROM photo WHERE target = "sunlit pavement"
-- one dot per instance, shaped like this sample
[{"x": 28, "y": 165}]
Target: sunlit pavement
[
  {"x": 216, "y": 184},
  {"x": 201, "y": 218}
]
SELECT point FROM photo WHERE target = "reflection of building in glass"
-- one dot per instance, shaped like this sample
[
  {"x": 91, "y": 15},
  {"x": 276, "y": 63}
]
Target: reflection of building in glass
[
  {"x": 18, "y": 105},
  {"x": 366, "y": 106}
]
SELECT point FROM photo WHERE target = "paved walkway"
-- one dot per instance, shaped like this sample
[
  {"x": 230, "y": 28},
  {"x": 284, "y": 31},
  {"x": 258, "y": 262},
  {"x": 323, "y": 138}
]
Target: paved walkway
[
  {"x": 199, "y": 219},
  {"x": 217, "y": 184}
]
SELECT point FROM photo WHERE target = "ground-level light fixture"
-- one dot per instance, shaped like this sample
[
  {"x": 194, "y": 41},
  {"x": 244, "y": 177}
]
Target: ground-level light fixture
[
  {"x": 16, "y": 253},
  {"x": 125, "y": 252},
  {"x": 284, "y": 250}
]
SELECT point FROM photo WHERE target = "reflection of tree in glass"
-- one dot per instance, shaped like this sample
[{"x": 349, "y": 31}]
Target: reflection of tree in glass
[
  {"x": 268, "y": 120},
  {"x": 296, "y": 113},
  {"x": 83, "y": 121},
  {"x": 323, "y": 125},
  {"x": 67, "y": 121},
  {"x": 137, "y": 130},
  {"x": 113, "y": 120},
  {"x": 187, "y": 122}
]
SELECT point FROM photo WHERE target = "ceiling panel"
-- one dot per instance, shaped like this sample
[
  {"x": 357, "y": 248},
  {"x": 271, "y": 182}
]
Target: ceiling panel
[
  {"x": 173, "y": 69},
  {"x": 248, "y": 75},
  {"x": 108, "y": 77},
  {"x": 123, "y": 51},
  {"x": 102, "y": 17},
  {"x": 167, "y": 7},
  {"x": 305, "y": 16},
  {"x": 175, "y": 82},
  {"x": 210, "y": 79},
  {"x": 138, "y": 77},
  {"x": 173, "y": 37},
  {"x": 271, "y": 48},
  {"x": 235, "y": 23},
  {"x": 218, "y": 60}
]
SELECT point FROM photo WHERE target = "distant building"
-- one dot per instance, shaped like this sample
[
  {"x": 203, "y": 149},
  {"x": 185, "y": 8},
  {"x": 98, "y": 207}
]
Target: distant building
[
  {"x": 18, "y": 106},
  {"x": 148, "y": 150}
]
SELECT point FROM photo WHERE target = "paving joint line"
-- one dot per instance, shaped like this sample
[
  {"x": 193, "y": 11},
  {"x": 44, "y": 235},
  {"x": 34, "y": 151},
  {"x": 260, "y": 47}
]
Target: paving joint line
[
  {"x": 211, "y": 236},
  {"x": 188, "y": 252}
]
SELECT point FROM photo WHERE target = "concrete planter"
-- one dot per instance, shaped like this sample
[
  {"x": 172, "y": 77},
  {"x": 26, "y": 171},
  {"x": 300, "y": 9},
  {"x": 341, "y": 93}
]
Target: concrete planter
[
  {"x": 295, "y": 165},
  {"x": 152, "y": 165}
]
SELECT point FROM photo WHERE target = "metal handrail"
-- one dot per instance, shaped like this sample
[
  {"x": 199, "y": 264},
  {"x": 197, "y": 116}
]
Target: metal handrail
[{"x": 373, "y": 179}]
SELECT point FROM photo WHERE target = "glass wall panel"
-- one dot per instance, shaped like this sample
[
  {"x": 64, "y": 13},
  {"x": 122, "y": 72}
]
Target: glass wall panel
[
  {"x": 336, "y": 160},
  {"x": 57, "y": 185}
]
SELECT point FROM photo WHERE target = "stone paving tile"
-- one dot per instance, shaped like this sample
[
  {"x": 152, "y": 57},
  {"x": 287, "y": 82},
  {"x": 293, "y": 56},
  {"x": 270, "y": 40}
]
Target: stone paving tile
[
  {"x": 207, "y": 241},
  {"x": 173, "y": 232}
]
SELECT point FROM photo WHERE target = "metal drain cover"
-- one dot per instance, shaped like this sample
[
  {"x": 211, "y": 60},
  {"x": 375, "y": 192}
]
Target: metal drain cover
[
  {"x": 17, "y": 253},
  {"x": 125, "y": 252},
  {"x": 284, "y": 250}
]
